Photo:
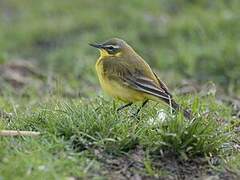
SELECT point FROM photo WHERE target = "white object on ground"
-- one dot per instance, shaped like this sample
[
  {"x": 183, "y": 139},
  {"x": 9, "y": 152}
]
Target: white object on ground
[{"x": 161, "y": 117}]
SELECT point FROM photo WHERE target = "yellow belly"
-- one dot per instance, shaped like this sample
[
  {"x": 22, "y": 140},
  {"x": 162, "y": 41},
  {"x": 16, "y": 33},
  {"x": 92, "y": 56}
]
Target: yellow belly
[{"x": 118, "y": 90}]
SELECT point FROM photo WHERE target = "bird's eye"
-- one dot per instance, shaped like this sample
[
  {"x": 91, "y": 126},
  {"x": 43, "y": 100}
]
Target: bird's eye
[{"x": 111, "y": 48}]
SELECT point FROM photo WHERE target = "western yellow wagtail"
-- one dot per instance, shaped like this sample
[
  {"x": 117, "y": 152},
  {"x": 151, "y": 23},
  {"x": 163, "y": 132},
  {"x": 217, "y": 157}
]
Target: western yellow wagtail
[{"x": 124, "y": 75}]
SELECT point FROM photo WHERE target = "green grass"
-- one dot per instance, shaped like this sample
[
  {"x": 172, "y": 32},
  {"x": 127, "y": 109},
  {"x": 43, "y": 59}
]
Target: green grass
[
  {"x": 82, "y": 136},
  {"x": 72, "y": 131}
]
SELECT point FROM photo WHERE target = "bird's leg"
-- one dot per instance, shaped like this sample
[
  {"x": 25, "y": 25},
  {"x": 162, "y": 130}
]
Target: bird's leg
[
  {"x": 143, "y": 104},
  {"x": 124, "y": 106}
]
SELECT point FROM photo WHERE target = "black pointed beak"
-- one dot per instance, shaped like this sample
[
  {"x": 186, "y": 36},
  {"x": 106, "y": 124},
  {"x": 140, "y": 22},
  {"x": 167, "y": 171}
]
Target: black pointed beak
[{"x": 99, "y": 46}]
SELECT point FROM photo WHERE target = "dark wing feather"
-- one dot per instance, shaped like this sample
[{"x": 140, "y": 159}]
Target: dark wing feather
[{"x": 147, "y": 86}]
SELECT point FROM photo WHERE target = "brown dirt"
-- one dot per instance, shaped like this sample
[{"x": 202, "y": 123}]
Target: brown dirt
[
  {"x": 18, "y": 73},
  {"x": 166, "y": 166}
]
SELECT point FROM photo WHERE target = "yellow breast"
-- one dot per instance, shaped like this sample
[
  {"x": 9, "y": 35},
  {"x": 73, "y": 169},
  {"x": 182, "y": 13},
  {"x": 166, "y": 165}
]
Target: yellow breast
[{"x": 116, "y": 89}]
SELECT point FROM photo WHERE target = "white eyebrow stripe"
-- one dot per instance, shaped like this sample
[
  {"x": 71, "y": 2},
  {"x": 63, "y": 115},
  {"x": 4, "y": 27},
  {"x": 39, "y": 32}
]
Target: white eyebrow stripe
[{"x": 114, "y": 46}]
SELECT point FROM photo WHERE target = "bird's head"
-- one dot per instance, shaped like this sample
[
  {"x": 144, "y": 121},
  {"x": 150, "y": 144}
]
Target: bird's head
[{"x": 112, "y": 48}]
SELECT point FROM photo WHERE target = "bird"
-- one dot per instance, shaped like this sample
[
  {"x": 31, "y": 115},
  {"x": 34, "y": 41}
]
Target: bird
[{"x": 126, "y": 76}]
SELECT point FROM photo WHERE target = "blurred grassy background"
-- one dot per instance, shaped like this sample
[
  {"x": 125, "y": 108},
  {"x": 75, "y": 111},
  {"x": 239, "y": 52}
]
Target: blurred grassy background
[{"x": 190, "y": 39}]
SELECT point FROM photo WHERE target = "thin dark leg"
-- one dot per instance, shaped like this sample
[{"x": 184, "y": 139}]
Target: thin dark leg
[
  {"x": 143, "y": 104},
  {"x": 124, "y": 106}
]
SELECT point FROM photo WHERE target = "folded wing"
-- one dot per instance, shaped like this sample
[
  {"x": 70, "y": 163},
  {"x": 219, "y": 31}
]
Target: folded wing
[{"x": 136, "y": 79}]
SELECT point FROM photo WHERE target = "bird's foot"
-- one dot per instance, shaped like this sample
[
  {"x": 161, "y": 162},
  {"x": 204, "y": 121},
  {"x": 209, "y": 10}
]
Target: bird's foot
[{"x": 135, "y": 116}]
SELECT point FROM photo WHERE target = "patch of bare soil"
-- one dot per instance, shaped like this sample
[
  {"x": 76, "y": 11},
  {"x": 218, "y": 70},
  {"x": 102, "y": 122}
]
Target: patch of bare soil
[
  {"x": 166, "y": 166},
  {"x": 19, "y": 73},
  {"x": 194, "y": 168},
  {"x": 128, "y": 166}
]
